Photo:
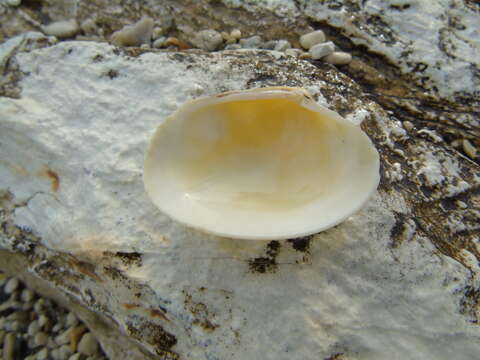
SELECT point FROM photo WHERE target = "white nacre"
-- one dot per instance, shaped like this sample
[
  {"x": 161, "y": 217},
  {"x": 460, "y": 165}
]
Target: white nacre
[{"x": 260, "y": 164}]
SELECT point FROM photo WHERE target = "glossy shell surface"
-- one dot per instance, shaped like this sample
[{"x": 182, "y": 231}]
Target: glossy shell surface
[{"x": 260, "y": 164}]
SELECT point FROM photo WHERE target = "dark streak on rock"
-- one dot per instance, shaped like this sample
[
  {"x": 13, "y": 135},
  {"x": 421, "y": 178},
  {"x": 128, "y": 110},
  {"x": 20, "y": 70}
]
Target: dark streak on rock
[{"x": 266, "y": 263}]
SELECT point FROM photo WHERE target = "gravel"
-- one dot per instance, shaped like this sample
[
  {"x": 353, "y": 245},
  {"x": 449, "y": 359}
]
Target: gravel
[{"x": 44, "y": 331}]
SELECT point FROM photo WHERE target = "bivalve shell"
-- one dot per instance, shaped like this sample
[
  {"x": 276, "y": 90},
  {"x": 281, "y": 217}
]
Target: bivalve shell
[{"x": 260, "y": 164}]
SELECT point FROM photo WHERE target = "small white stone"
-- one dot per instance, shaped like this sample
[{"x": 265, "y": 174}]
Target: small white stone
[
  {"x": 57, "y": 328},
  {"x": 39, "y": 304},
  {"x": 293, "y": 52},
  {"x": 42, "y": 354},
  {"x": 27, "y": 295},
  {"x": 71, "y": 320},
  {"x": 63, "y": 338},
  {"x": 157, "y": 33},
  {"x": 282, "y": 45},
  {"x": 40, "y": 339},
  {"x": 321, "y": 50},
  {"x": 134, "y": 35},
  {"x": 208, "y": 40},
  {"x": 11, "y": 285},
  {"x": 64, "y": 352},
  {"x": 236, "y": 34},
  {"x": 461, "y": 204},
  {"x": 469, "y": 149},
  {"x": 88, "y": 345},
  {"x": 42, "y": 320},
  {"x": 14, "y": 2},
  {"x": 75, "y": 356},
  {"x": 157, "y": 44},
  {"x": 33, "y": 328},
  {"x": 313, "y": 38},
  {"x": 89, "y": 27},
  {"x": 62, "y": 29},
  {"x": 252, "y": 42},
  {"x": 338, "y": 58},
  {"x": 407, "y": 125}
]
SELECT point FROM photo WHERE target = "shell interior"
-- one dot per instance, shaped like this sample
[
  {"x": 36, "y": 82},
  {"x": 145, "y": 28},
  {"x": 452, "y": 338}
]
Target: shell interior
[{"x": 267, "y": 163}]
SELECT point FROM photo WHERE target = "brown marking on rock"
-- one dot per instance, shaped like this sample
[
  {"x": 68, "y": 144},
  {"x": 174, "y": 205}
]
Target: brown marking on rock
[
  {"x": 130, "y": 306},
  {"x": 267, "y": 263},
  {"x": 154, "y": 313},
  {"x": 54, "y": 179},
  {"x": 172, "y": 41}
]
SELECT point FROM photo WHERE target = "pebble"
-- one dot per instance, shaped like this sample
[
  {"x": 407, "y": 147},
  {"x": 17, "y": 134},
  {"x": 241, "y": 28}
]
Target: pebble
[
  {"x": 39, "y": 304},
  {"x": 62, "y": 29},
  {"x": 89, "y": 27},
  {"x": 64, "y": 337},
  {"x": 282, "y": 45},
  {"x": 40, "y": 339},
  {"x": 134, "y": 35},
  {"x": 27, "y": 295},
  {"x": 338, "y": 58},
  {"x": 252, "y": 42},
  {"x": 469, "y": 148},
  {"x": 319, "y": 51},
  {"x": 75, "y": 356},
  {"x": 293, "y": 52},
  {"x": 233, "y": 47},
  {"x": 64, "y": 352},
  {"x": 88, "y": 345},
  {"x": 158, "y": 43},
  {"x": 11, "y": 285},
  {"x": 42, "y": 320},
  {"x": 9, "y": 346},
  {"x": 407, "y": 125},
  {"x": 312, "y": 38},
  {"x": 173, "y": 41},
  {"x": 208, "y": 40},
  {"x": 236, "y": 34},
  {"x": 14, "y": 2},
  {"x": 42, "y": 354},
  {"x": 157, "y": 33},
  {"x": 33, "y": 328},
  {"x": 71, "y": 320}
]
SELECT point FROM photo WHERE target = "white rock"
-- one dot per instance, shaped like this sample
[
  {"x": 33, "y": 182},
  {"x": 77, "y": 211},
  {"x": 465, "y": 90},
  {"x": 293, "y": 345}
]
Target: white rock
[
  {"x": 11, "y": 285},
  {"x": 89, "y": 27},
  {"x": 71, "y": 320},
  {"x": 157, "y": 44},
  {"x": 62, "y": 29},
  {"x": 27, "y": 295},
  {"x": 88, "y": 345},
  {"x": 134, "y": 35},
  {"x": 236, "y": 34},
  {"x": 42, "y": 320},
  {"x": 157, "y": 32},
  {"x": 293, "y": 52},
  {"x": 350, "y": 292},
  {"x": 312, "y": 38},
  {"x": 338, "y": 58},
  {"x": 319, "y": 51},
  {"x": 252, "y": 42},
  {"x": 14, "y": 3},
  {"x": 208, "y": 40},
  {"x": 75, "y": 356},
  {"x": 42, "y": 354},
  {"x": 64, "y": 352},
  {"x": 469, "y": 149},
  {"x": 282, "y": 45},
  {"x": 33, "y": 328}
]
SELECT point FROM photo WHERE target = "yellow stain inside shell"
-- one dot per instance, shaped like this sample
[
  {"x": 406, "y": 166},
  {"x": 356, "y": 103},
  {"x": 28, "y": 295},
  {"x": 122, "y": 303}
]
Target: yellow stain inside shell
[{"x": 260, "y": 154}]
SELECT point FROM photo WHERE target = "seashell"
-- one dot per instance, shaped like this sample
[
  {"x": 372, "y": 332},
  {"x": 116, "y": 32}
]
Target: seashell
[{"x": 260, "y": 164}]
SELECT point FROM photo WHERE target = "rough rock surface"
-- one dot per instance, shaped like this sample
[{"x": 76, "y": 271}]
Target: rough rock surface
[{"x": 397, "y": 280}]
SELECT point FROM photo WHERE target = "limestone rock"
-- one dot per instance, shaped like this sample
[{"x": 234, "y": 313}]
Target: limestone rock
[{"x": 392, "y": 281}]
